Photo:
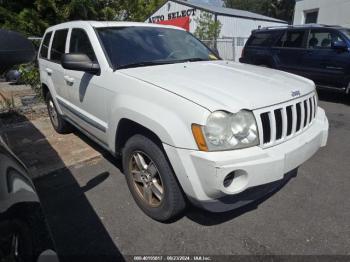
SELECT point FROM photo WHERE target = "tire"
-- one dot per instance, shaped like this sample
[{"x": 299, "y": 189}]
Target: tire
[
  {"x": 60, "y": 125},
  {"x": 154, "y": 173}
]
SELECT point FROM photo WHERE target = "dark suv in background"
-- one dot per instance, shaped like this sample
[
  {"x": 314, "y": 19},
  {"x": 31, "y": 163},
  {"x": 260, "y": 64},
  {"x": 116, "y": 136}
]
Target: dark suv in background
[{"x": 318, "y": 52}]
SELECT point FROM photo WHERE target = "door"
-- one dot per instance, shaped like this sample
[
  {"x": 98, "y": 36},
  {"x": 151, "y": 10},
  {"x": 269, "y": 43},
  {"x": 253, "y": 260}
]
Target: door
[
  {"x": 324, "y": 64},
  {"x": 289, "y": 51},
  {"x": 53, "y": 67},
  {"x": 87, "y": 98}
]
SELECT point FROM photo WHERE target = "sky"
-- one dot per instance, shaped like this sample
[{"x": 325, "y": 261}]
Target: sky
[{"x": 208, "y": 2}]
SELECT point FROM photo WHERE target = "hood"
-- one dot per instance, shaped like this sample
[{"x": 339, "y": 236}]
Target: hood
[{"x": 223, "y": 85}]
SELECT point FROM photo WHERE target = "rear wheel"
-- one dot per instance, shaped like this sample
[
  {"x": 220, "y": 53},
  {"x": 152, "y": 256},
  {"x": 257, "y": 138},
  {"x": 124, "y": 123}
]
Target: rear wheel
[
  {"x": 60, "y": 125},
  {"x": 151, "y": 180}
]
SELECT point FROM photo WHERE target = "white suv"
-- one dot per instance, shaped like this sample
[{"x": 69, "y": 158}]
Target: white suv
[{"x": 188, "y": 125}]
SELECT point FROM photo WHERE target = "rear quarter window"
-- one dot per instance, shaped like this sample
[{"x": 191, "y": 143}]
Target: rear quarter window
[
  {"x": 292, "y": 39},
  {"x": 45, "y": 45},
  {"x": 263, "y": 39}
]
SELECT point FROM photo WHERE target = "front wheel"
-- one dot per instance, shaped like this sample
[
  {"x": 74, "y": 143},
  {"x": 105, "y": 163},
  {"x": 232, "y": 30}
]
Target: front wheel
[{"x": 151, "y": 180}]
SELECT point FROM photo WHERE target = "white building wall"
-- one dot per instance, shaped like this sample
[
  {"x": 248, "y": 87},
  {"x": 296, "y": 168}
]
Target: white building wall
[
  {"x": 331, "y": 12},
  {"x": 241, "y": 27}
]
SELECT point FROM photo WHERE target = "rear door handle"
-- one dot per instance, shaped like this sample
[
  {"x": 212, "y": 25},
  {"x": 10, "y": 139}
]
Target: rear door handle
[
  {"x": 48, "y": 71},
  {"x": 69, "y": 80},
  {"x": 333, "y": 67}
]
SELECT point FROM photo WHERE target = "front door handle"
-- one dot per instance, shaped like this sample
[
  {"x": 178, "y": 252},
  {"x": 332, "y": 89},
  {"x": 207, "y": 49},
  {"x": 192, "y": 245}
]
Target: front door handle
[
  {"x": 69, "y": 80},
  {"x": 48, "y": 71}
]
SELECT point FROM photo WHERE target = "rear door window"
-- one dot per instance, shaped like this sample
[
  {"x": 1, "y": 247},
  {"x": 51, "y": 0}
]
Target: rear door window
[
  {"x": 292, "y": 39},
  {"x": 263, "y": 39},
  {"x": 58, "y": 45},
  {"x": 322, "y": 39},
  {"x": 80, "y": 43},
  {"x": 45, "y": 45}
]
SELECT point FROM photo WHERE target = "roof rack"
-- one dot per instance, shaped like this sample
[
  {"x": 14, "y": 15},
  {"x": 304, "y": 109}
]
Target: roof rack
[{"x": 296, "y": 26}]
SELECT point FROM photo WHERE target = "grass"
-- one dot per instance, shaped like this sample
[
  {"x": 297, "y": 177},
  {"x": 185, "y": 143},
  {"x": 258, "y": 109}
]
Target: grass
[{"x": 6, "y": 104}]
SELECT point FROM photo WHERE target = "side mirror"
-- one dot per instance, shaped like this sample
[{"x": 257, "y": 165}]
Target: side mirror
[
  {"x": 339, "y": 45},
  {"x": 79, "y": 62}
]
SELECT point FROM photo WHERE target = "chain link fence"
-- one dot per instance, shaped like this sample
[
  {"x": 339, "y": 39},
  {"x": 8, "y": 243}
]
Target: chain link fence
[{"x": 228, "y": 48}]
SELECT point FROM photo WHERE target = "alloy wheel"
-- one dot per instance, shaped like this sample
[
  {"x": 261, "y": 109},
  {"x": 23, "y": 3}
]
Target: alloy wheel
[
  {"x": 53, "y": 113},
  {"x": 146, "y": 179}
]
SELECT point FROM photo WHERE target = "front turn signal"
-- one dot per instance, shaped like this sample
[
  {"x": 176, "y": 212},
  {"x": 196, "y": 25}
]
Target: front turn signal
[{"x": 199, "y": 137}]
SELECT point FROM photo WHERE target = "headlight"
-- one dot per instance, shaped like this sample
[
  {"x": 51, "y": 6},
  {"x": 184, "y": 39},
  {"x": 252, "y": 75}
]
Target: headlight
[{"x": 226, "y": 131}]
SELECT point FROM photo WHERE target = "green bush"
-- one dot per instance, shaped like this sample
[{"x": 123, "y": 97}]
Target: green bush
[{"x": 30, "y": 76}]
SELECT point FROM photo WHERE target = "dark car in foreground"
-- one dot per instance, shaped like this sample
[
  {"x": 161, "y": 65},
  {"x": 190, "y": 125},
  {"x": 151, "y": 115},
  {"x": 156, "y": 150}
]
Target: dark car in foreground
[
  {"x": 24, "y": 235},
  {"x": 15, "y": 49},
  {"x": 318, "y": 52}
]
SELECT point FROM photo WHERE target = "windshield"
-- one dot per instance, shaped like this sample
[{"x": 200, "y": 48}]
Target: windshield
[
  {"x": 346, "y": 32},
  {"x": 143, "y": 46}
]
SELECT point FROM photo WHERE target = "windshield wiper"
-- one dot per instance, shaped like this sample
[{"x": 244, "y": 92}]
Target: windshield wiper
[
  {"x": 145, "y": 63},
  {"x": 153, "y": 63},
  {"x": 196, "y": 59}
]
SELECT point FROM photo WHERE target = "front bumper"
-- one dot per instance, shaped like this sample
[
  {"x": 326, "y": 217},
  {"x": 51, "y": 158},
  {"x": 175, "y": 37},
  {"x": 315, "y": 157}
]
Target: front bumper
[
  {"x": 201, "y": 174},
  {"x": 242, "y": 60}
]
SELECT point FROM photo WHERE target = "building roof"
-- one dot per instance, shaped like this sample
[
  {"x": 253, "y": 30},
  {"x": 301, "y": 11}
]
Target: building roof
[{"x": 229, "y": 11}]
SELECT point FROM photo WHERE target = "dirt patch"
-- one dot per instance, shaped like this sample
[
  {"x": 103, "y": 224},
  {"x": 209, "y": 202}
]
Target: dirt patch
[
  {"x": 11, "y": 117},
  {"x": 23, "y": 114},
  {"x": 16, "y": 97},
  {"x": 35, "y": 142}
]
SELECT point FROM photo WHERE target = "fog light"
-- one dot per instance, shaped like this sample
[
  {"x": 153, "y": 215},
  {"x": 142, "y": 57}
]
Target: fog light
[{"x": 229, "y": 179}]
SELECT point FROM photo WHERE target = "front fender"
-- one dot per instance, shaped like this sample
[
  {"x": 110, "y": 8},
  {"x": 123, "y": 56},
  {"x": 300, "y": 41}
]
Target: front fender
[{"x": 170, "y": 121}]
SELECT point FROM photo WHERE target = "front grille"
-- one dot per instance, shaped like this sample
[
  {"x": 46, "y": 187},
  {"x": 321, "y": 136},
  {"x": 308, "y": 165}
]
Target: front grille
[{"x": 282, "y": 122}]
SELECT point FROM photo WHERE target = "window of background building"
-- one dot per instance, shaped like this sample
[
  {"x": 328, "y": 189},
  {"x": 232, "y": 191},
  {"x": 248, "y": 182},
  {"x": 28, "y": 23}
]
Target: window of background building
[{"x": 311, "y": 17}]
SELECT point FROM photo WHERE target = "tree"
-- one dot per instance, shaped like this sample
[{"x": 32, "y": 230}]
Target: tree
[
  {"x": 207, "y": 27},
  {"x": 280, "y": 9},
  {"x": 284, "y": 10},
  {"x": 139, "y": 10},
  {"x": 249, "y": 5},
  {"x": 80, "y": 9},
  {"x": 32, "y": 17}
]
